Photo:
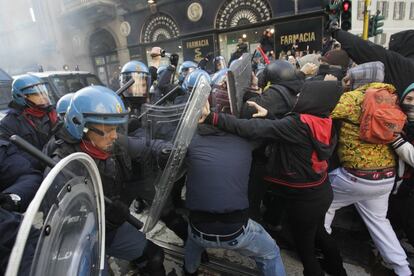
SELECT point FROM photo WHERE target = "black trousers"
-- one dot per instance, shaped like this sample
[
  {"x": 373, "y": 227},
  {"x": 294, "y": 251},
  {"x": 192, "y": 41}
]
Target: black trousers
[
  {"x": 401, "y": 210},
  {"x": 305, "y": 211}
]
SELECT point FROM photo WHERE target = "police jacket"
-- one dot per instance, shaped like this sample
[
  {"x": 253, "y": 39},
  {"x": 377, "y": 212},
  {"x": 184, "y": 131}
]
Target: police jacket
[
  {"x": 36, "y": 131},
  {"x": 306, "y": 137},
  {"x": 116, "y": 170},
  {"x": 218, "y": 167},
  {"x": 17, "y": 175}
]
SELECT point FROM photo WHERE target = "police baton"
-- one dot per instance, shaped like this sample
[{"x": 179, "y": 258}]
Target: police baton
[
  {"x": 125, "y": 87},
  {"x": 160, "y": 100},
  {"x": 24, "y": 145}
]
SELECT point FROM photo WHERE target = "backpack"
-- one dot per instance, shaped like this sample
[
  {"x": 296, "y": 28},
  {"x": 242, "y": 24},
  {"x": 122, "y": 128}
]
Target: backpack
[{"x": 381, "y": 116}]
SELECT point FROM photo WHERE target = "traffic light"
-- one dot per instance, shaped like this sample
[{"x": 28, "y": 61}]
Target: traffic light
[
  {"x": 375, "y": 24},
  {"x": 333, "y": 10},
  {"x": 346, "y": 15}
]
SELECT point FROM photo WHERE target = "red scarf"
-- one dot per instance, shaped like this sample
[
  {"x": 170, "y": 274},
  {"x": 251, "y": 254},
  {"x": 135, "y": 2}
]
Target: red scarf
[
  {"x": 93, "y": 151},
  {"x": 39, "y": 113}
]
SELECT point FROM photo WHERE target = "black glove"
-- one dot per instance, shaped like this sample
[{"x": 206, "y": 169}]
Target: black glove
[
  {"x": 209, "y": 56},
  {"x": 174, "y": 59},
  {"x": 117, "y": 212},
  {"x": 10, "y": 202}
]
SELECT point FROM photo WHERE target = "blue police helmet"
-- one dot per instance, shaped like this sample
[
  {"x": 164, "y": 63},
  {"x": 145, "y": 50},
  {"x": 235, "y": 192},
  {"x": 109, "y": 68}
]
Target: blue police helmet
[
  {"x": 191, "y": 79},
  {"x": 63, "y": 103},
  {"x": 219, "y": 63},
  {"x": 96, "y": 105},
  {"x": 25, "y": 85},
  {"x": 187, "y": 65},
  {"x": 185, "y": 68},
  {"x": 219, "y": 77},
  {"x": 134, "y": 66}
]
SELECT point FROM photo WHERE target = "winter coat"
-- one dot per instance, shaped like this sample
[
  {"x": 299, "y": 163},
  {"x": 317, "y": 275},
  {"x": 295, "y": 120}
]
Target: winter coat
[
  {"x": 218, "y": 166},
  {"x": 306, "y": 138},
  {"x": 352, "y": 151}
]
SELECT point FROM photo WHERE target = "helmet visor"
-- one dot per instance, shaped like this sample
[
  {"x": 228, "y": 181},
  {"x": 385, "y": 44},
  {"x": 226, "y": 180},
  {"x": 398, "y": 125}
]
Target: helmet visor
[
  {"x": 185, "y": 71},
  {"x": 141, "y": 86},
  {"x": 38, "y": 95}
]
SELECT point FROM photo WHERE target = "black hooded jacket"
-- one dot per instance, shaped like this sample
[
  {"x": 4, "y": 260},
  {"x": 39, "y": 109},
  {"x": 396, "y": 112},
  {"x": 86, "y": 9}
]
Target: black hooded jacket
[
  {"x": 277, "y": 99},
  {"x": 301, "y": 142},
  {"x": 398, "y": 61}
]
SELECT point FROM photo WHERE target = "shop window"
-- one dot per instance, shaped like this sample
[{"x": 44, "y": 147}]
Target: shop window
[{"x": 251, "y": 37}]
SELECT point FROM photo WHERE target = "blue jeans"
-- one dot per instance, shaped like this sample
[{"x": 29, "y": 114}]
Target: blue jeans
[{"x": 255, "y": 242}]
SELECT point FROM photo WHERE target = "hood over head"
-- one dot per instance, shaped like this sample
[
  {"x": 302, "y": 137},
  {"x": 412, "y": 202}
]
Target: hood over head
[
  {"x": 409, "y": 89},
  {"x": 318, "y": 98},
  {"x": 366, "y": 73}
]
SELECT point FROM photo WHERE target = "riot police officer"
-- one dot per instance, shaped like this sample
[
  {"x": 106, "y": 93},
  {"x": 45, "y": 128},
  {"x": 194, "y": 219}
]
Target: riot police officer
[
  {"x": 31, "y": 114},
  {"x": 186, "y": 68},
  {"x": 96, "y": 123}
]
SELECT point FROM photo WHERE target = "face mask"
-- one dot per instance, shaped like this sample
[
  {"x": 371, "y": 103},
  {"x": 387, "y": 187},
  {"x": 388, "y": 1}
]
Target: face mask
[{"x": 409, "y": 111}]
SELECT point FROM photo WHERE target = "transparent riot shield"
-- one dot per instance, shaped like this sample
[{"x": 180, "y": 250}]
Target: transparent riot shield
[
  {"x": 238, "y": 78},
  {"x": 62, "y": 231},
  {"x": 161, "y": 122},
  {"x": 184, "y": 133}
]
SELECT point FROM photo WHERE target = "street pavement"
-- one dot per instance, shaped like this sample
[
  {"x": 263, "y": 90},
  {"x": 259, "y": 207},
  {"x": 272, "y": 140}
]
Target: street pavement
[{"x": 174, "y": 267}]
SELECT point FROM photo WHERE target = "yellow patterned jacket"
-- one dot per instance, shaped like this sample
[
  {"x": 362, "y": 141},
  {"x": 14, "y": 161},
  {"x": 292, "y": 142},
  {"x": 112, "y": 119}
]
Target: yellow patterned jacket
[{"x": 354, "y": 153}]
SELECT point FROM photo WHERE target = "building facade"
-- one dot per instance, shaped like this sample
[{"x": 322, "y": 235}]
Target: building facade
[
  {"x": 101, "y": 35},
  {"x": 399, "y": 16}
]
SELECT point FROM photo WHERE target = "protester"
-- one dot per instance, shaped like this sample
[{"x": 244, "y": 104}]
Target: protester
[
  {"x": 218, "y": 204},
  {"x": 401, "y": 208},
  {"x": 301, "y": 143},
  {"x": 366, "y": 174}
]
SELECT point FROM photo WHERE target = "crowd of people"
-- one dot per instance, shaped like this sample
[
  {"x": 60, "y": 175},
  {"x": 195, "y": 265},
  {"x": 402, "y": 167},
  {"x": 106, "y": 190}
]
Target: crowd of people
[{"x": 316, "y": 133}]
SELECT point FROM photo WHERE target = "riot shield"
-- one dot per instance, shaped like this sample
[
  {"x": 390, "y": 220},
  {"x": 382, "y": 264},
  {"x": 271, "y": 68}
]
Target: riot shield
[
  {"x": 63, "y": 229},
  {"x": 160, "y": 122},
  {"x": 238, "y": 78},
  {"x": 182, "y": 138}
]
